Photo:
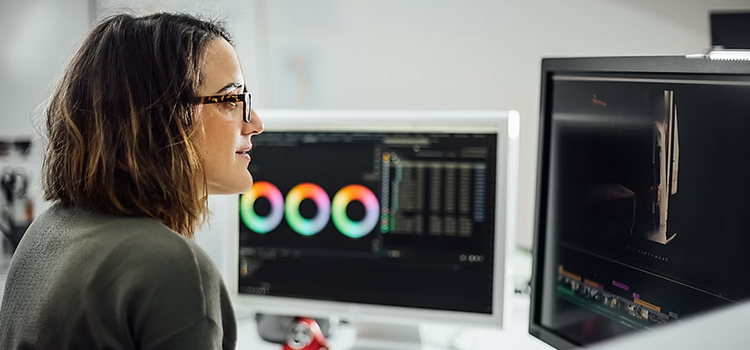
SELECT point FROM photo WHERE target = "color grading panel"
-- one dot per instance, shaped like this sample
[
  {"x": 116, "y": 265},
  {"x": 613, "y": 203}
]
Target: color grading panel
[{"x": 377, "y": 218}]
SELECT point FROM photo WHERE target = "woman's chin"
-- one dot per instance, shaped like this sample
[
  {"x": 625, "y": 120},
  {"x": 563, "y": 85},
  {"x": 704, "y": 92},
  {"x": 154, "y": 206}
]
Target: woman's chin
[
  {"x": 246, "y": 187},
  {"x": 235, "y": 187}
]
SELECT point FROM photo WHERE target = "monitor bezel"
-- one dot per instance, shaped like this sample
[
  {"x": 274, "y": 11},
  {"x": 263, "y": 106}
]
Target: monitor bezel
[
  {"x": 682, "y": 65},
  {"x": 505, "y": 123}
]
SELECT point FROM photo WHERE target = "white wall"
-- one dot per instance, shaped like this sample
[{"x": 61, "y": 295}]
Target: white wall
[
  {"x": 37, "y": 38},
  {"x": 453, "y": 54}
]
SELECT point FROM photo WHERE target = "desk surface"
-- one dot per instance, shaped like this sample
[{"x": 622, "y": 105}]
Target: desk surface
[{"x": 434, "y": 336}]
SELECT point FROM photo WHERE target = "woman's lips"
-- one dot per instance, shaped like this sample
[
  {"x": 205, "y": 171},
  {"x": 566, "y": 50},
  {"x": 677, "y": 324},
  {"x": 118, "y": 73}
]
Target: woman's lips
[
  {"x": 244, "y": 155},
  {"x": 245, "y": 152}
]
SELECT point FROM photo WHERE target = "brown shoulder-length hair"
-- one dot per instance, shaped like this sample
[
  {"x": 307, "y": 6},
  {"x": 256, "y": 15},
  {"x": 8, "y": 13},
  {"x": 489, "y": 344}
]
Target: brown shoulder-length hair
[{"x": 121, "y": 121}]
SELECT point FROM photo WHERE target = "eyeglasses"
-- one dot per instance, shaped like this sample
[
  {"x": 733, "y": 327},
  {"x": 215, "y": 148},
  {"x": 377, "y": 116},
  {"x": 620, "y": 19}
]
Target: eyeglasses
[{"x": 243, "y": 97}]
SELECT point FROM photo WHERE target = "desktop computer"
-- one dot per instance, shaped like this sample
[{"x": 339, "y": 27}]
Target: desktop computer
[
  {"x": 642, "y": 198},
  {"x": 391, "y": 218}
]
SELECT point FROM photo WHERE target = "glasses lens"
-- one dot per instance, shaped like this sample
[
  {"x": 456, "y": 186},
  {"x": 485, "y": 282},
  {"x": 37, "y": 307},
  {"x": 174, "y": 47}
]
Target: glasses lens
[{"x": 247, "y": 111}]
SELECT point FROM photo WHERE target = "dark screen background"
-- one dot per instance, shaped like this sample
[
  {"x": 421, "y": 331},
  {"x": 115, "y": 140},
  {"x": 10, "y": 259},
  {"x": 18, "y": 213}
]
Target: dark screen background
[
  {"x": 604, "y": 185},
  {"x": 435, "y": 250}
]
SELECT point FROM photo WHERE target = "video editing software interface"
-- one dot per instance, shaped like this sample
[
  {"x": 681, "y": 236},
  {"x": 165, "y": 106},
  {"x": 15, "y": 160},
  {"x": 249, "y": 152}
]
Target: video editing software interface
[
  {"x": 648, "y": 202},
  {"x": 396, "y": 219}
]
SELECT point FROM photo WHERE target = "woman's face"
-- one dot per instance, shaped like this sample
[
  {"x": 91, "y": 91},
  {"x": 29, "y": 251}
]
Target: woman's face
[{"x": 225, "y": 137}]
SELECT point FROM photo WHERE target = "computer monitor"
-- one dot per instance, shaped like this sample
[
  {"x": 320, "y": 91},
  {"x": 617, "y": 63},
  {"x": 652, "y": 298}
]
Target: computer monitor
[
  {"x": 642, "y": 194},
  {"x": 379, "y": 215}
]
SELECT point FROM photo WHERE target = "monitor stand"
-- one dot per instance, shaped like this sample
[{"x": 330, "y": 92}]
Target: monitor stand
[{"x": 377, "y": 336}]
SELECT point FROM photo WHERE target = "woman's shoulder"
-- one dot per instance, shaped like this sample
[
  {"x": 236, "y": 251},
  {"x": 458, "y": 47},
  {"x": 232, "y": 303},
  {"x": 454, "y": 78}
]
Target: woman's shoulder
[
  {"x": 100, "y": 245},
  {"x": 148, "y": 243},
  {"x": 166, "y": 279},
  {"x": 130, "y": 245}
]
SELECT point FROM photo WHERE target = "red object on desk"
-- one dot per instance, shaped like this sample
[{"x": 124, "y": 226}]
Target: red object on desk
[{"x": 305, "y": 334}]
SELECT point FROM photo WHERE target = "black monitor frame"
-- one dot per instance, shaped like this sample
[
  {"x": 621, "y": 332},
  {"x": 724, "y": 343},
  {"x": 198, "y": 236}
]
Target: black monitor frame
[{"x": 594, "y": 65}]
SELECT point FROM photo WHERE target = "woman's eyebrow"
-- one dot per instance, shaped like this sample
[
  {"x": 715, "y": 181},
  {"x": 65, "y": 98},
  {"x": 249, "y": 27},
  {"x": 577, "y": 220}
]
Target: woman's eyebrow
[{"x": 229, "y": 87}]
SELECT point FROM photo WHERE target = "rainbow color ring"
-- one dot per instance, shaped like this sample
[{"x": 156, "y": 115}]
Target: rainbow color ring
[
  {"x": 298, "y": 223},
  {"x": 348, "y": 227},
  {"x": 255, "y": 222}
]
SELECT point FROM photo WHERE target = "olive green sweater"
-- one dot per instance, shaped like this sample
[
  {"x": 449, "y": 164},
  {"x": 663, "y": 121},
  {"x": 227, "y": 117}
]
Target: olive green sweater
[{"x": 84, "y": 280}]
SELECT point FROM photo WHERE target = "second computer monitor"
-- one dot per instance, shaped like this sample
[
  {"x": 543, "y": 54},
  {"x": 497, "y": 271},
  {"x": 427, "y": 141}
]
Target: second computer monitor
[
  {"x": 386, "y": 215},
  {"x": 642, "y": 197}
]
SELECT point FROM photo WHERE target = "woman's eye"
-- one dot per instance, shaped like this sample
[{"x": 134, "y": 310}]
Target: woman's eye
[{"x": 231, "y": 104}]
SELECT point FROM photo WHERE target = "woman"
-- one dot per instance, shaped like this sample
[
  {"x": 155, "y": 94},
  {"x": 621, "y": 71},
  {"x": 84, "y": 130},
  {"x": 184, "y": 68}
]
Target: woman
[{"x": 150, "y": 117}]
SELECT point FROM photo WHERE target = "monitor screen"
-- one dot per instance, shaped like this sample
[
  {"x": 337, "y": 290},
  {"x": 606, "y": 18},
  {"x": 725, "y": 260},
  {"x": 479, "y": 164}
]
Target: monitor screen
[
  {"x": 646, "y": 201},
  {"x": 381, "y": 218}
]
